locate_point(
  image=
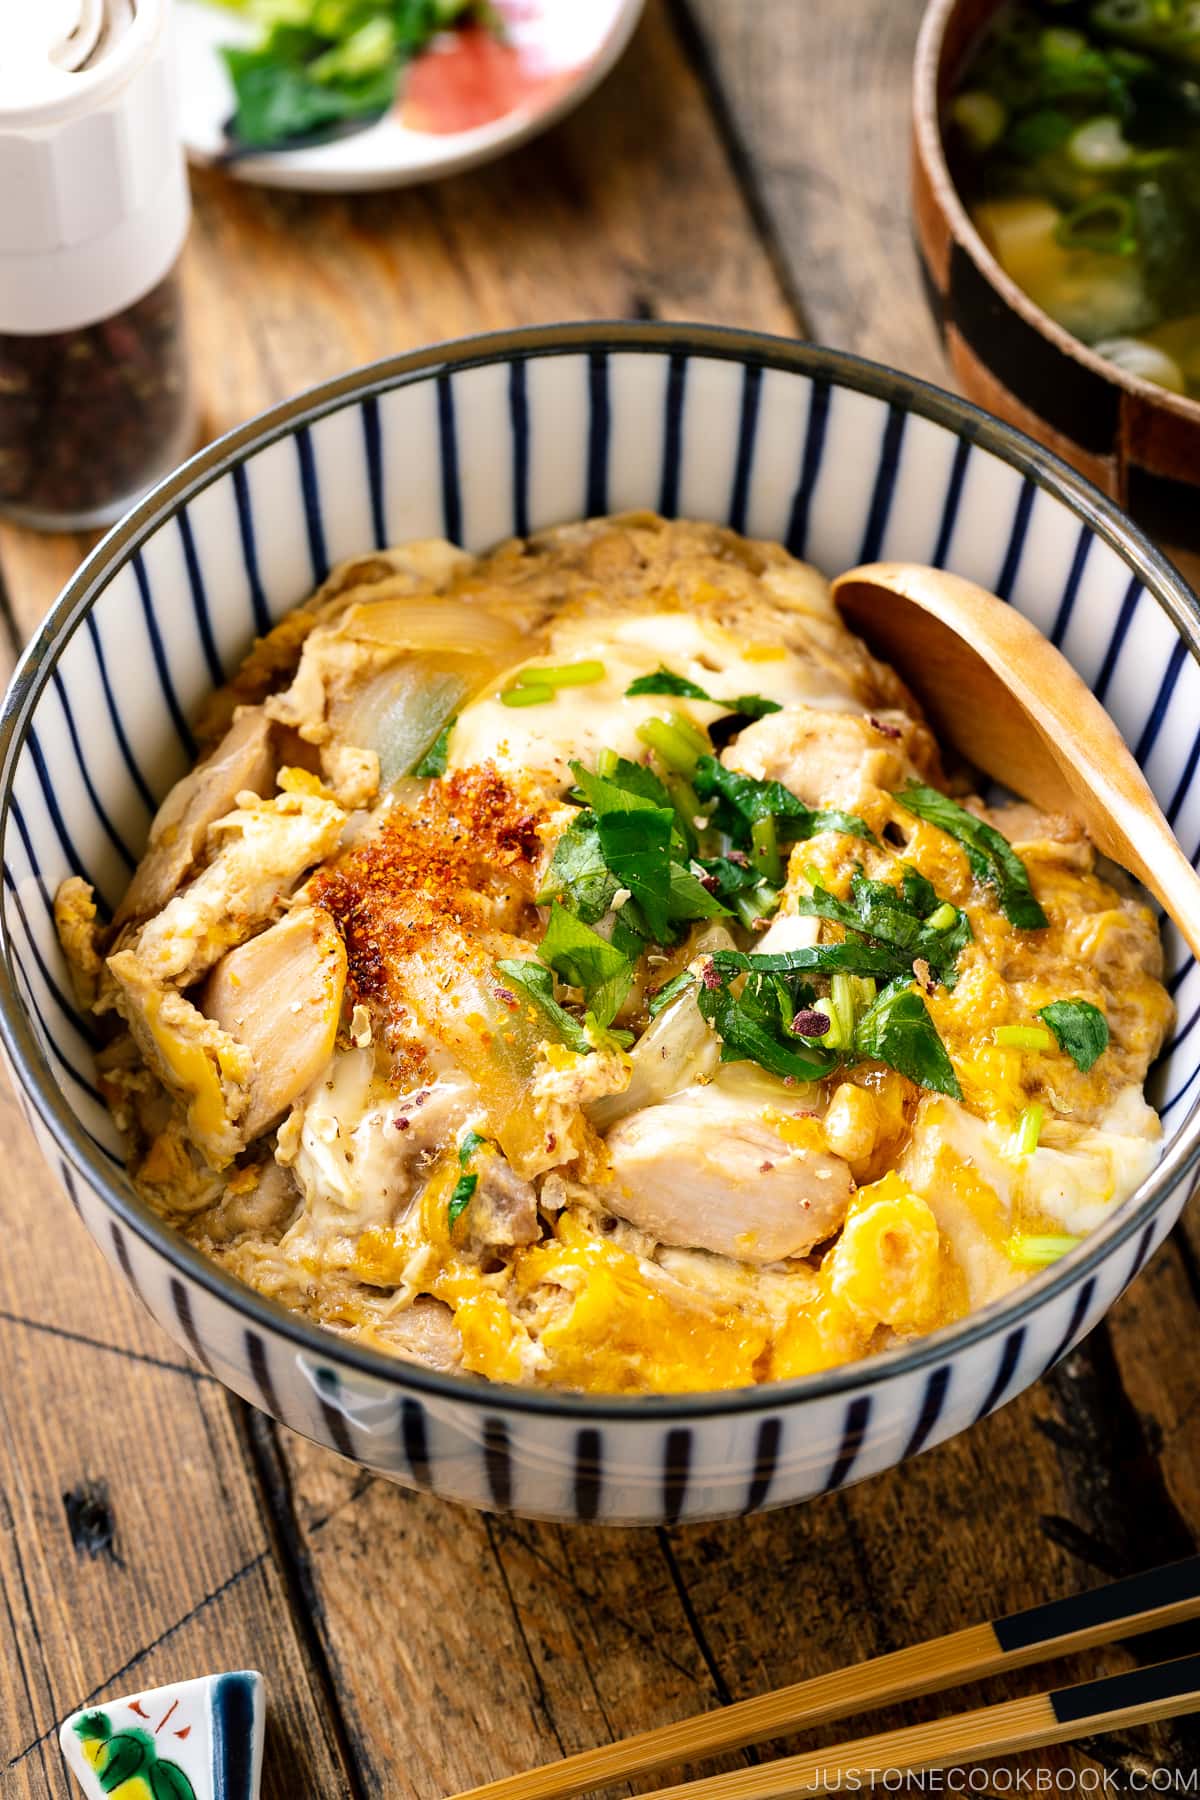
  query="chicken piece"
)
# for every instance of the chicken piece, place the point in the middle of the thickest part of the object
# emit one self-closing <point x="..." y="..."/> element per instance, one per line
<point x="257" y="1202"/>
<point x="281" y="996"/>
<point x="424" y="1332"/>
<point x="1042" y="837"/>
<point x="565" y="1083"/>
<point x="832" y="758"/>
<point x="706" y="1170"/>
<point x="174" y="1172"/>
<point x="332" y="667"/>
<point x="244" y="761"/>
<point x="75" y="923"/>
<point x="261" y="850"/>
<point x="207" y="1070"/>
<point x="359" y="1156"/>
<point x="503" y="1209"/>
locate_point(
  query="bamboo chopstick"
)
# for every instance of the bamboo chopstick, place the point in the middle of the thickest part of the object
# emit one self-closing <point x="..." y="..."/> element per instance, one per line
<point x="1165" y="1690"/>
<point x="1160" y="1597"/>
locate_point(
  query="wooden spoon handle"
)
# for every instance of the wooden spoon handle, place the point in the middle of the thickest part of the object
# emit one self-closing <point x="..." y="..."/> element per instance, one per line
<point x="1011" y="703"/>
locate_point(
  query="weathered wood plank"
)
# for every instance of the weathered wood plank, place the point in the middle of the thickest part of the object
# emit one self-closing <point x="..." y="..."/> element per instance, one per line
<point x="134" y="1548"/>
<point x="818" y="95"/>
<point x="435" y="1647"/>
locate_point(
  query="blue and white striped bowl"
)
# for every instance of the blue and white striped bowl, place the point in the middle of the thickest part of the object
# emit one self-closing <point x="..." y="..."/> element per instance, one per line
<point x="844" y="462"/>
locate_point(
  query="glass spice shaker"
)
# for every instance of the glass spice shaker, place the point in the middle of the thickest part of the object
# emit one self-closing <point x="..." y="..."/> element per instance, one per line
<point x="94" y="209"/>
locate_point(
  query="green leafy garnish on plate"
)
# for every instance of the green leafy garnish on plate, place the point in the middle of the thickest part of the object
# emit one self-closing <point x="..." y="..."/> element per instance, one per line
<point x="1080" y="1028"/>
<point x="322" y="65"/>
<point x="991" y="856"/>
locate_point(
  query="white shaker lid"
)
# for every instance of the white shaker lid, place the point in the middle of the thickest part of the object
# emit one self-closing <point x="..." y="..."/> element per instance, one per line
<point x="93" y="191"/>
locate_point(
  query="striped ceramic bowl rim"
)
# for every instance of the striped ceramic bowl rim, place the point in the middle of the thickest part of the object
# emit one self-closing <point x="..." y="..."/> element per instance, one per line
<point x="76" y="1154"/>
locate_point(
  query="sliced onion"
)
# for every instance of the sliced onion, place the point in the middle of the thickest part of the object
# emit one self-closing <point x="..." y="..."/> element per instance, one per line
<point x="679" y="1047"/>
<point x="400" y="712"/>
<point x="454" y="990"/>
<point x="454" y="627"/>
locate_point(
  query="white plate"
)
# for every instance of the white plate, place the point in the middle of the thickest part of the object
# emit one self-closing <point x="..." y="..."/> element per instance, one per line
<point x="574" y="44"/>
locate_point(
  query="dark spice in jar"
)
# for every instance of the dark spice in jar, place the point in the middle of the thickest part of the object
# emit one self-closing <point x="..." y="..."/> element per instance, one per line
<point x="88" y="418"/>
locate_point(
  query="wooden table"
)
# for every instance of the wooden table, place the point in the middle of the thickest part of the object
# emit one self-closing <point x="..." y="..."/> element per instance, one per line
<point x="746" y="164"/>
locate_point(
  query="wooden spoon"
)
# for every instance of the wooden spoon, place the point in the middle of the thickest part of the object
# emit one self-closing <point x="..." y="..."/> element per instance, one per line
<point x="1009" y="702"/>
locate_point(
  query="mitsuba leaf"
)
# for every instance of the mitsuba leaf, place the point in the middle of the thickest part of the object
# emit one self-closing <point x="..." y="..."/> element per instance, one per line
<point x="742" y="800"/>
<point x="854" y="957"/>
<point x="990" y="854"/>
<point x="899" y="1031"/>
<point x="471" y="1142"/>
<point x="535" y="980"/>
<point x="578" y="874"/>
<point x="889" y="924"/>
<point x="1080" y="1028"/>
<point x="630" y="786"/>
<point x="664" y="681"/>
<point x="747" y="1037"/>
<point x="919" y="894"/>
<point x="433" y="764"/>
<point x="688" y="898"/>
<point x="586" y="960"/>
<point x="671" y="990"/>
<point x="636" y="845"/>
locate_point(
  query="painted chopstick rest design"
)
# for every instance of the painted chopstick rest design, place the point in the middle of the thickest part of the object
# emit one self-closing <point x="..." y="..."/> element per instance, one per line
<point x="195" y="1740"/>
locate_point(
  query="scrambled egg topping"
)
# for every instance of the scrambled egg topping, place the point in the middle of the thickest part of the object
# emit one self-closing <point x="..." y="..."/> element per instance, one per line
<point x="355" y="1065"/>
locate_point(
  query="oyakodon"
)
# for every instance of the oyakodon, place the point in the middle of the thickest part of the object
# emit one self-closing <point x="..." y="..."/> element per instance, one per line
<point x="575" y="966"/>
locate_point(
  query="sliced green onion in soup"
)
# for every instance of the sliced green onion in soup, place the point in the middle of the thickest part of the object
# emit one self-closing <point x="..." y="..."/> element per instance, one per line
<point x="1134" y="356"/>
<point x="980" y="117"/>
<point x="1100" y="145"/>
<point x="1103" y="223"/>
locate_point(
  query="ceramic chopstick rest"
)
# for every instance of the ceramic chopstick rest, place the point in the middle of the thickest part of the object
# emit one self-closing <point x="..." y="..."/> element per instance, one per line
<point x="194" y="1740"/>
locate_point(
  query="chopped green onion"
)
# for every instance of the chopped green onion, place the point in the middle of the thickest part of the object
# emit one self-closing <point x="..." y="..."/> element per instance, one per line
<point x="1103" y="223"/>
<point x="1060" y="44"/>
<point x="1099" y="145"/>
<point x="580" y="674"/>
<point x="1040" y="1252"/>
<point x="764" y="849"/>
<point x="669" y="743"/>
<point x="696" y="736"/>
<point x="943" y="917"/>
<point x="842" y="1010"/>
<point x="1023" y="1037"/>
<point x="755" y="903"/>
<point x="686" y="802"/>
<point x="527" y="696"/>
<point x="606" y="764"/>
<point x="980" y="117"/>
<point x="1028" y="1130"/>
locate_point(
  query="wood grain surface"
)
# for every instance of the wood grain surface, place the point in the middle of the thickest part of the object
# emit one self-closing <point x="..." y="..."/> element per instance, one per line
<point x="745" y="164"/>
